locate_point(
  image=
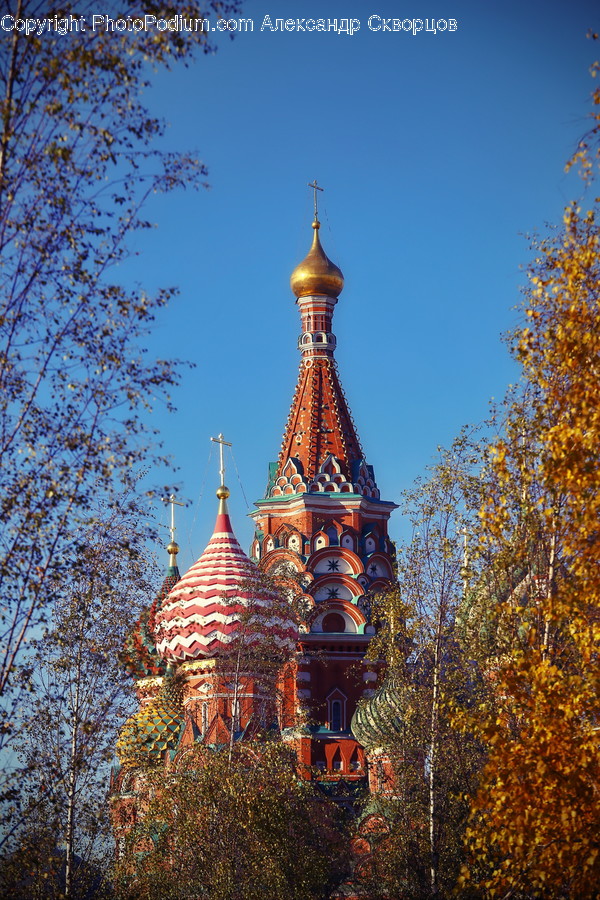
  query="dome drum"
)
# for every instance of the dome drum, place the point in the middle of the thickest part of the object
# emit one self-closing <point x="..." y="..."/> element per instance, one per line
<point x="312" y="342"/>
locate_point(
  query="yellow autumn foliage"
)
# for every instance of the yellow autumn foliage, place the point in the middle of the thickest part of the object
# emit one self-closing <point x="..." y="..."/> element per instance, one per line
<point x="535" y="822"/>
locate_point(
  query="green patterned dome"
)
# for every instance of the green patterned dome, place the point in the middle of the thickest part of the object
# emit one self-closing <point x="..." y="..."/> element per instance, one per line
<point x="380" y="719"/>
<point x="154" y="729"/>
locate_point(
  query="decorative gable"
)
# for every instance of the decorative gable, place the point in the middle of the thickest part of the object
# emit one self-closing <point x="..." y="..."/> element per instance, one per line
<point x="365" y="482"/>
<point x="330" y="477"/>
<point x="291" y="480"/>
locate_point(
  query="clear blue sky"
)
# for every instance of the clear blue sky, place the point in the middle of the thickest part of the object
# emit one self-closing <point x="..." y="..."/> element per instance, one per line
<point x="438" y="154"/>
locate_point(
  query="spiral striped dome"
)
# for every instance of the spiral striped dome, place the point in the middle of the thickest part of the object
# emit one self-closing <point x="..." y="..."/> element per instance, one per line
<point x="201" y="615"/>
<point x="139" y="655"/>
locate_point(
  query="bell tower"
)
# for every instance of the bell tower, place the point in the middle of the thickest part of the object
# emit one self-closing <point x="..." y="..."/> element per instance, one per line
<point x="322" y="517"/>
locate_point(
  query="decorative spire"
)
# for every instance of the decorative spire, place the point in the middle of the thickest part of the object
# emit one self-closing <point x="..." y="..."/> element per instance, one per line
<point x="220" y="440"/>
<point x="316" y="274"/>
<point x="139" y="655"/>
<point x="315" y="188"/>
<point x="319" y="426"/>
<point x="173" y="546"/>
<point x="222" y="490"/>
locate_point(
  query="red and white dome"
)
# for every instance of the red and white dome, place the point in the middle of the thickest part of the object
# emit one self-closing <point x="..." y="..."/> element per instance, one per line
<point x="201" y="615"/>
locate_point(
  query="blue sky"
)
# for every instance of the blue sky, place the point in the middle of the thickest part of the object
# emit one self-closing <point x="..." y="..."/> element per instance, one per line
<point x="438" y="154"/>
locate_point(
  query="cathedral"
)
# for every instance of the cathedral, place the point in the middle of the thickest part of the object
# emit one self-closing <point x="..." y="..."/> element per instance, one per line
<point x="322" y="527"/>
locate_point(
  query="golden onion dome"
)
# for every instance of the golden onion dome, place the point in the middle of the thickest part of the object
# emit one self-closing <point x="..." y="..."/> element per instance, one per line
<point x="316" y="274"/>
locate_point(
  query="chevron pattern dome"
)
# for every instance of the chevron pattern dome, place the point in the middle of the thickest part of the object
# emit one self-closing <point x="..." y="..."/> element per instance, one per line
<point x="201" y="615"/>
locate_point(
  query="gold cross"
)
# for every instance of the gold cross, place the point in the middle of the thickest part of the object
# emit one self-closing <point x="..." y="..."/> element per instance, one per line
<point x="172" y="502"/>
<point x="220" y="440"/>
<point x="315" y="188"/>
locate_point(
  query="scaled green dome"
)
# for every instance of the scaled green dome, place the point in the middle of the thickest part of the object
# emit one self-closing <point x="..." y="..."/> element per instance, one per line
<point x="380" y="719"/>
<point x="154" y="729"/>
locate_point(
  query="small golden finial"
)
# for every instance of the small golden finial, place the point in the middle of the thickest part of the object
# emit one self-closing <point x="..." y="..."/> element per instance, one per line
<point x="173" y="547"/>
<point x="315" y="188"/>
<point x="172" y="550"/>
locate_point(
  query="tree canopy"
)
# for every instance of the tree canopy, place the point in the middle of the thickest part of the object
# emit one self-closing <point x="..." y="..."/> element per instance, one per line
<point x="79" y="154"/>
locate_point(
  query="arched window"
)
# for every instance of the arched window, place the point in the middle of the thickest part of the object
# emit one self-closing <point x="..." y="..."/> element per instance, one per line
<point x="333" y="623"/>
<point x="332" y="535"/>
<point x="336" y="710"/>
<point x="336" y="715"/>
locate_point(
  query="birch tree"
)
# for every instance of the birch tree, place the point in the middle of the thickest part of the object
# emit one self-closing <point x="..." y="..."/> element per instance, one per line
<point x="535" y="819"/>
<point x="78" y="158"/>
<point x="239" y="828"/>
<point x="435" y="765"/>
<point x="78" y="696"/>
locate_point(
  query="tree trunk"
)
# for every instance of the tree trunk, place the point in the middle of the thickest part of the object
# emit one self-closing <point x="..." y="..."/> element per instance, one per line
<point x="433" y="754"/>
<point x="71" y="788"/>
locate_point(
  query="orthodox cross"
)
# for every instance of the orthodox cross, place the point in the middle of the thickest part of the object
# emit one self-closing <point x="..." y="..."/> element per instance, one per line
<point x="172" y="502"/>
<point x="220" y="440"/>
<point x="315" y="188"/>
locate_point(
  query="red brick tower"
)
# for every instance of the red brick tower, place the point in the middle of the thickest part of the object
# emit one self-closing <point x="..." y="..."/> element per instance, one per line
<point x="322" y="516"/>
